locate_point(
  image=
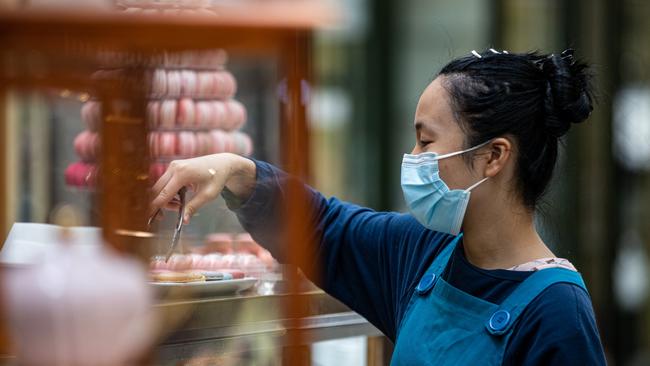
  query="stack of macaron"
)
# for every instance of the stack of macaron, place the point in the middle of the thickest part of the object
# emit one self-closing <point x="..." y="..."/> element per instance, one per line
<point x="190" y="114"/>
<point x="206" y="84"/>
<point x="191" y="111"/>
<point x="86" y="144"/>
<point x="167" y="145"/>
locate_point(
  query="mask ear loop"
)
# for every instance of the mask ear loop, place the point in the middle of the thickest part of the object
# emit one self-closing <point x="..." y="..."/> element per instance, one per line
<point x="440" y="157"/>
<point x="476" y="184"/>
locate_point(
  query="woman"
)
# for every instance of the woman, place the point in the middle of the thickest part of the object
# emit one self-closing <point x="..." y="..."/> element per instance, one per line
<point x="488" y="125"/>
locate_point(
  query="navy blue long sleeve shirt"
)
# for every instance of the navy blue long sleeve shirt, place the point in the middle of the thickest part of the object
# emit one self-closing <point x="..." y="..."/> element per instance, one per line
<point x="372" y="262"/>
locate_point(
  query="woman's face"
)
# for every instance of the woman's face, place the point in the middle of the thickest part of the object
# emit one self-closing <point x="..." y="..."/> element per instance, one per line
<point x="436" y="130"/>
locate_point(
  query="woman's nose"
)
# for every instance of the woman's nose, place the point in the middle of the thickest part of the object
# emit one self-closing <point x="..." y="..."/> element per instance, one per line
<point x="416" y="150"/>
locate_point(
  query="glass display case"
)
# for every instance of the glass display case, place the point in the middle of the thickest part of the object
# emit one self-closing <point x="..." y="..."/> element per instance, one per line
<point x="95" y="105"/>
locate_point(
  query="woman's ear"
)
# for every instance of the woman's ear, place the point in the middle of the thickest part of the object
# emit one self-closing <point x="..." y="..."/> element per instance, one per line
<point x="498" y="156"/>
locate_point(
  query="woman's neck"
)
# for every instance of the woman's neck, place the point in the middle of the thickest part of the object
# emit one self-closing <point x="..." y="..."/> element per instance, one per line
<point x="502" y="237"/>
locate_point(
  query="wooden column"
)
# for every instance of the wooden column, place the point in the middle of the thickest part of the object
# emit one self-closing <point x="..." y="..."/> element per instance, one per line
<point x="295" y="156"/>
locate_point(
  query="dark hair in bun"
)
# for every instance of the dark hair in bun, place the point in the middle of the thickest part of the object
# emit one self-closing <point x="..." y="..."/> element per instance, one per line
<point x="531" y="96"/>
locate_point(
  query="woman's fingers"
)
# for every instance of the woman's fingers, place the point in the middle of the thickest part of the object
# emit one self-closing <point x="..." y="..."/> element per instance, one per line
<point x="167" y="193"/>
<point x="200" y="199"/>
<point x="161" y="182"/>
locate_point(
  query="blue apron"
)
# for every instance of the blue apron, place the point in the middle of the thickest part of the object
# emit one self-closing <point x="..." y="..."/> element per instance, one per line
<point x="443" y="325"/>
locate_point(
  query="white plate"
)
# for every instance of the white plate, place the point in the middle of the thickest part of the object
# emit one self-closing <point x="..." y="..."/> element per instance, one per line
<point x="223" y="287"/>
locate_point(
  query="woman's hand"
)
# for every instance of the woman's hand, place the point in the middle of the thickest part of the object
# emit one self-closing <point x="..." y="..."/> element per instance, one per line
<point x="206" y="176"/>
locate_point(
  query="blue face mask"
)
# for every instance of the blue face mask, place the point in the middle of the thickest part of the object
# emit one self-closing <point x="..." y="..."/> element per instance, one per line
<point x="428" y="198"/>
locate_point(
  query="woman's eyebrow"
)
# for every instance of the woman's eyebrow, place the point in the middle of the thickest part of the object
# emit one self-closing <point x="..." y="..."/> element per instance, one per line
<point x="420" y="125"/>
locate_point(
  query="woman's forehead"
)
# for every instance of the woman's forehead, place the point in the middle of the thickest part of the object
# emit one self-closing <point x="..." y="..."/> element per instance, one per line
<point x="434" y="110"/>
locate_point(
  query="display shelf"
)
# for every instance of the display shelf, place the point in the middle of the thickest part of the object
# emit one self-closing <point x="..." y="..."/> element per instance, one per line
<point x="210" y="333"/>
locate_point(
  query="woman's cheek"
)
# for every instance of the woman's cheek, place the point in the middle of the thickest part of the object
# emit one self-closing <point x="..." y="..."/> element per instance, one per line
<point x="450" y="173"/>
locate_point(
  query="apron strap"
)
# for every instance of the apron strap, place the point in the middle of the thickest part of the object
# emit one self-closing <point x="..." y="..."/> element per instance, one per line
<point x="437" y="267"/>
<point x="440" y="263"/>
<point x="506" y="315"/>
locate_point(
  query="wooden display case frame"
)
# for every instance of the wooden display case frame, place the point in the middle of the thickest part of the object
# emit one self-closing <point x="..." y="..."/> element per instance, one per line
<point x="58" y="49"/>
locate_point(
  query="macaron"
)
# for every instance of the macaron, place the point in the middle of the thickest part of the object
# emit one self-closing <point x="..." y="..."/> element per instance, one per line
<point x="86" y="145"/>
<point x="212" y="59"/>
<point x="159" y="83"/>
<point x="216" y="276"/>
<point x="205" y="262"/>
<point x="173" y="83"/>
<point x="188" y="83"/>
<point x="204" y="114"/>
<point x="152" y="140"/>
<point x="186" y="144"/>
<point x="70" y="175"/>
<point x="167" y="114"/>
<point x="235" y="273"/>
<point x="236" y="114"/>
<point x="220" y="89"/>
<point x="153" y="114"/>
<point x="204" y="143"/>
<point x="219" y="113"/>
<point x="206" y="84"/>
<point x="166" y="144"/>
<point x="80" y="174"/>
<point x="243" y="145"/>
<point x="186" y="114"/>
<point x="176" y="277"/>
<point x="91" y="115"/>
<point x="229" y="84"/>
<point x="221" y="141"/>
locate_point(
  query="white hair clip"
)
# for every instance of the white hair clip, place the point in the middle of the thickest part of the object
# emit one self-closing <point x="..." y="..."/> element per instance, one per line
<point x="476" y="54"/>
<point x="495" y="51"/>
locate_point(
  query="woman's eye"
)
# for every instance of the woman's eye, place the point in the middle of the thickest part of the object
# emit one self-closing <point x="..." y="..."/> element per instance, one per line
<point x="424" y="143"/>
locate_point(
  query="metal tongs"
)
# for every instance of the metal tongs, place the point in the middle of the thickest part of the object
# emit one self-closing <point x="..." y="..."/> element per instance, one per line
<point x="179" y="224"/>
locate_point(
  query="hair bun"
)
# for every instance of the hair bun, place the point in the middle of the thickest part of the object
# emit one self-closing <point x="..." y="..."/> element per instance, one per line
<point x="568" y="92"/>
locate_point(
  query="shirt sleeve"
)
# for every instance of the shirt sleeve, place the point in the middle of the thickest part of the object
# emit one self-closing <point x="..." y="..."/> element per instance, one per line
<point x="368" y="260"/>
<point x="557" y="328"/>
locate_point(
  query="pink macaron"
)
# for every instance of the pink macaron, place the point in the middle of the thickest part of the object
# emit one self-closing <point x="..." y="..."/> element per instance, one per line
<point x="81" y="174"/>
<point x="154" y="145"/>
<point x="91" y="115"/>
<point x="186" y="144"/>
<point x="159" y="83"/>
<point x="221" y="141"/>
<point x="166" y="144"/>
<point x="70" y="175"/>
<point x="186" y="114"/>
<point x="153" y="114"/>
<point x="204" y="143"/>
<point x="243" y="145"/>
<point x="220" y="88"/>
<point x="174" y="83"/>
<point x="229" y="84"/>
<point x="213" y="59"/>
<point x="188" y="83"/>
<point x="179" y="262"/>
<point x="235" y="115"/>
<point x="219" y="114"/>
<point x="204" y="114"/>
<point x="152" y="141"/>
<point x="167" y="114"/>
<point x="206" y="84"/>
<point x="86" y="145"/>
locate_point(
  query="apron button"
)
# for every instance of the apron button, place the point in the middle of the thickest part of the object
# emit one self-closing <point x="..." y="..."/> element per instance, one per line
<point x="499" y="320"/>
<point x="426" y="283"/>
